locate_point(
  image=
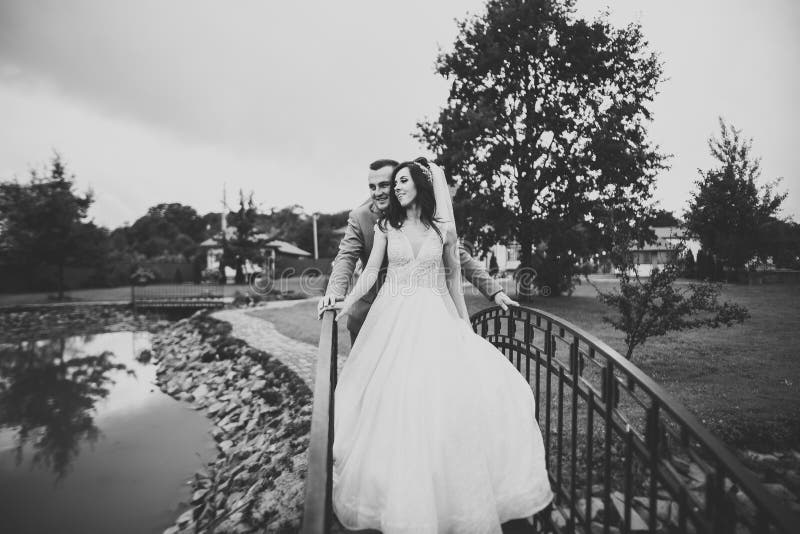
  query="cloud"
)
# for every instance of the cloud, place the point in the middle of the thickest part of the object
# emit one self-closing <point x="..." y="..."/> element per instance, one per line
<point x="293" y="99"/>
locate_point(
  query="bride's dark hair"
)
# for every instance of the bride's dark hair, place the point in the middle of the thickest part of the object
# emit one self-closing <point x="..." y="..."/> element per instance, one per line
<point x="395" y="214"/>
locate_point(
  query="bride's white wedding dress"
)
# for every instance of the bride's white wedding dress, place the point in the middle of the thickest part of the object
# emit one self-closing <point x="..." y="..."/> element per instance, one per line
<point x="435" y="429"/>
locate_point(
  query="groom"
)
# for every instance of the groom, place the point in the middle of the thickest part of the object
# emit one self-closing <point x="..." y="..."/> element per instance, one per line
<point x="357" y="244"/>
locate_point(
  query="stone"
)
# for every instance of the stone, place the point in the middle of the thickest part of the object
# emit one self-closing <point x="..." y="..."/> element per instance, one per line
<point x="780" y="491"/>
<point x="597" y="506"/>
<point x="258" y="385"/>
<point x="200" y="391"/>
<point x="199" y="495"/>
<point x="637" y="523"/>
<point x="560" y="517"/>
<point x="762" y="458"/>
<point x="172" y="530"/>
<point x="234" y="500"/>
<point x="697" y="475"/>
<point x="186" y="518"/>
<point x="667" y="511"/>
<point x="745" y="505"/>
<point x="226" y="446"/>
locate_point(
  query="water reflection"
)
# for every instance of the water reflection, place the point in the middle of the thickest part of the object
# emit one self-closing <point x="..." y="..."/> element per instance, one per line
<point x="88" y="442"/>
<point x="48" y="393"/>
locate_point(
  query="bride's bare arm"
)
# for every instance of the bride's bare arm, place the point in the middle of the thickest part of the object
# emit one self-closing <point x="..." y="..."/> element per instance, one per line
<point x="452" y="269"/>
<point x="370" y="273"/>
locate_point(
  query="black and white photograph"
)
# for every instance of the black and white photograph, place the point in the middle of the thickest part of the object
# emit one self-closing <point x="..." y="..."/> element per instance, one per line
<point x="452" y="267"/>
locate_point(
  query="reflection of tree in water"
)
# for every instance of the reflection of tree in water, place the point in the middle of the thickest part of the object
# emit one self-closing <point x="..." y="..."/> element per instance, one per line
<point x="50" y="399"/>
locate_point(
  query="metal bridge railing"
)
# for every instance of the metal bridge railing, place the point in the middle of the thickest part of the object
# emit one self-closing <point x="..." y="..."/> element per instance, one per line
<point x="622" y="454"/>
<point x="177" y="296"/>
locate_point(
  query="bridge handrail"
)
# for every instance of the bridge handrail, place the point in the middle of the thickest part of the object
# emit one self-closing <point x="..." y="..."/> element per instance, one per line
<point x="317" y="511"/>
<point x="771" y="515"/>
<point x="770" y="509"/>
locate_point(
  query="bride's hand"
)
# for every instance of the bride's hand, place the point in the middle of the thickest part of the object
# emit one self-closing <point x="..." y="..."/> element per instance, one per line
<point x="343" y="309"/>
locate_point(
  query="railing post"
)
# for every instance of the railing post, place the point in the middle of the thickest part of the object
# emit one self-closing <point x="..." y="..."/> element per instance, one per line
<point x="317" y="513"/>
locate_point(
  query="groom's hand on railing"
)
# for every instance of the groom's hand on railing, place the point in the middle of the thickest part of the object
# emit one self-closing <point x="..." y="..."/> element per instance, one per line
<point x="328" y="302"/>
<point x="504" y="301"/>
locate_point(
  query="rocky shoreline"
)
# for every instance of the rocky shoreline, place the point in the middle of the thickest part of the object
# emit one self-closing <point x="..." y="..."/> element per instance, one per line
<point x="262" y="416"/>
<point x="65" y="321"/>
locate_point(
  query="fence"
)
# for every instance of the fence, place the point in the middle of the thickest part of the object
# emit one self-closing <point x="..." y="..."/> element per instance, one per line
<point x="622" y="454"/>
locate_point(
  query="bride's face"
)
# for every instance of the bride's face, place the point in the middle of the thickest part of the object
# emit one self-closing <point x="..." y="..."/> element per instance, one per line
<point x="404" y="188"/>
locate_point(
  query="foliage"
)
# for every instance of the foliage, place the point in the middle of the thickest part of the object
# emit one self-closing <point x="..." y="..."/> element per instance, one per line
<point x="689" y="266"/>
<point x="166" y="229"/>
<point x="48" y="400"/>
<point x="660" y="218"/>
<point x="730" y="213"/>
<point x="293" y="225"/>
<point x="243" y="245"/>
<point x="780" y="242"/>
<point x="653" y="306"/>
<point x="42" y="222"/>
<point x="546" y="120"/>
<point x="142" y="276"/>
<point x="210" y="276"/>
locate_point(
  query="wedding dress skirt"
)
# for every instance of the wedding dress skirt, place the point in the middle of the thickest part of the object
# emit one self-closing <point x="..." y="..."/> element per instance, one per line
<point x="435" y="429"/>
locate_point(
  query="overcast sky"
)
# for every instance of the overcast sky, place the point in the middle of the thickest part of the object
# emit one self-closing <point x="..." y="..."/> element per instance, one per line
<point x="169" y="101"/>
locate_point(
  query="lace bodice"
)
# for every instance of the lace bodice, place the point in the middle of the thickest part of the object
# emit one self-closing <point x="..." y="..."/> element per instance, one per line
<point x="407" y="271"/>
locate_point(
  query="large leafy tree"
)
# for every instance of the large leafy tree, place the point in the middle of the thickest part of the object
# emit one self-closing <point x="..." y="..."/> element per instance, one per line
<point x="730" y="212"/>
<point x="244" y="245"/>
<point x="166" y="229"/>
<point x="42" y="222"/>
<point x="546" y="118"/>
<point x="781" y="243"/>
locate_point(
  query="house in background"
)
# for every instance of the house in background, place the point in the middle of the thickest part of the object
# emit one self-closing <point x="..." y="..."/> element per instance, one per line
<point x="273" y="250"/>
<point x="645" y="258"/>
<point x="662" y="250"/>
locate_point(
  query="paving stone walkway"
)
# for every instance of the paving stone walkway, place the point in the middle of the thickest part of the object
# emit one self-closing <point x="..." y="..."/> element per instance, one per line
<point x="261" y="334"/>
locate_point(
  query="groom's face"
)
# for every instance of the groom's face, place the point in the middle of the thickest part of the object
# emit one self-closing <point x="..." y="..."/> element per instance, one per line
<point x="380" y="183"/>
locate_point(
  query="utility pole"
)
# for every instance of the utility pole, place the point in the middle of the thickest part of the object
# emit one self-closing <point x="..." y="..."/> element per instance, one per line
<point x="223" y="222"/>
<point x="314" y="218"/>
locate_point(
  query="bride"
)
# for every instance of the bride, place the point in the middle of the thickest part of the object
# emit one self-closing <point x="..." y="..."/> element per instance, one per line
<point x="434" y="429"/>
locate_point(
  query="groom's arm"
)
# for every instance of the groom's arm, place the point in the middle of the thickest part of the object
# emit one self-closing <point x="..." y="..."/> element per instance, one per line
<point x="477" y="275"/>
<point x="345" y="263"/>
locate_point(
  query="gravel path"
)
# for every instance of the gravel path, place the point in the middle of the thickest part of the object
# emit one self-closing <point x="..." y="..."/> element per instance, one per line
<point x="261" y="334"/>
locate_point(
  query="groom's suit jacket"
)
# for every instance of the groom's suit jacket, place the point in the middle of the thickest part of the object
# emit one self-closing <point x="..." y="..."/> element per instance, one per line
<point x="357" y="244"/>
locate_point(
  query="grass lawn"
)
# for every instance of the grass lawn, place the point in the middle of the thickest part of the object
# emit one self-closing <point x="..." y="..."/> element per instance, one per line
<point x="123" y="293"/>
<point x="743" y="382"/>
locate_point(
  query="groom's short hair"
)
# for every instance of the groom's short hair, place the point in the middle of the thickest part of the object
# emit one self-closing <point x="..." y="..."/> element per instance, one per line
<point x="381" y="163"/>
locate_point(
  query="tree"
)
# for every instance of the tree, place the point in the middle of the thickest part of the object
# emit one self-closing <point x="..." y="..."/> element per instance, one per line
<point x="166" y="229"/>
<point x="689" y="267"/>
<point x="42" y="221"/>
<point x="49" y="400"/>
<point x="729" y="210"/>
<point x="653" y="306"/>
<point x="705" y="265"/>
<point x="661" y="218"/>
<point x="244" y="245"/>
<point x="781" y="243"/>
<point x="545" y="120"/>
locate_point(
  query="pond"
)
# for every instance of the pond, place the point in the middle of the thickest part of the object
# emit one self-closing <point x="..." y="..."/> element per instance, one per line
<point x="88" y="442"/>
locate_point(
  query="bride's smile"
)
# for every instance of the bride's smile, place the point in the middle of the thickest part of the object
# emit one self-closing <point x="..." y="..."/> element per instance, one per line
<point x="404" y="188"/>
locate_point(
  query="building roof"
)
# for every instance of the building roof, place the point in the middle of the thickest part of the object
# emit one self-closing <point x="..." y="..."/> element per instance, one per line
<point x="667" y="238"/>
<point x="283" y="247"/>
<point x="230" y="233"/>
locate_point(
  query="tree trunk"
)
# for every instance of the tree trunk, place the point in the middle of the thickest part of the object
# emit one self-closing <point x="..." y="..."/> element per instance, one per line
<point x="61" y="281"/>
<point x="222" y="277"/>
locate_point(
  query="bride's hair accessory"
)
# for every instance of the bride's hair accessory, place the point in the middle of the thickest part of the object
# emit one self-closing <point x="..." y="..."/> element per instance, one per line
<point x="421" y="163"/>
